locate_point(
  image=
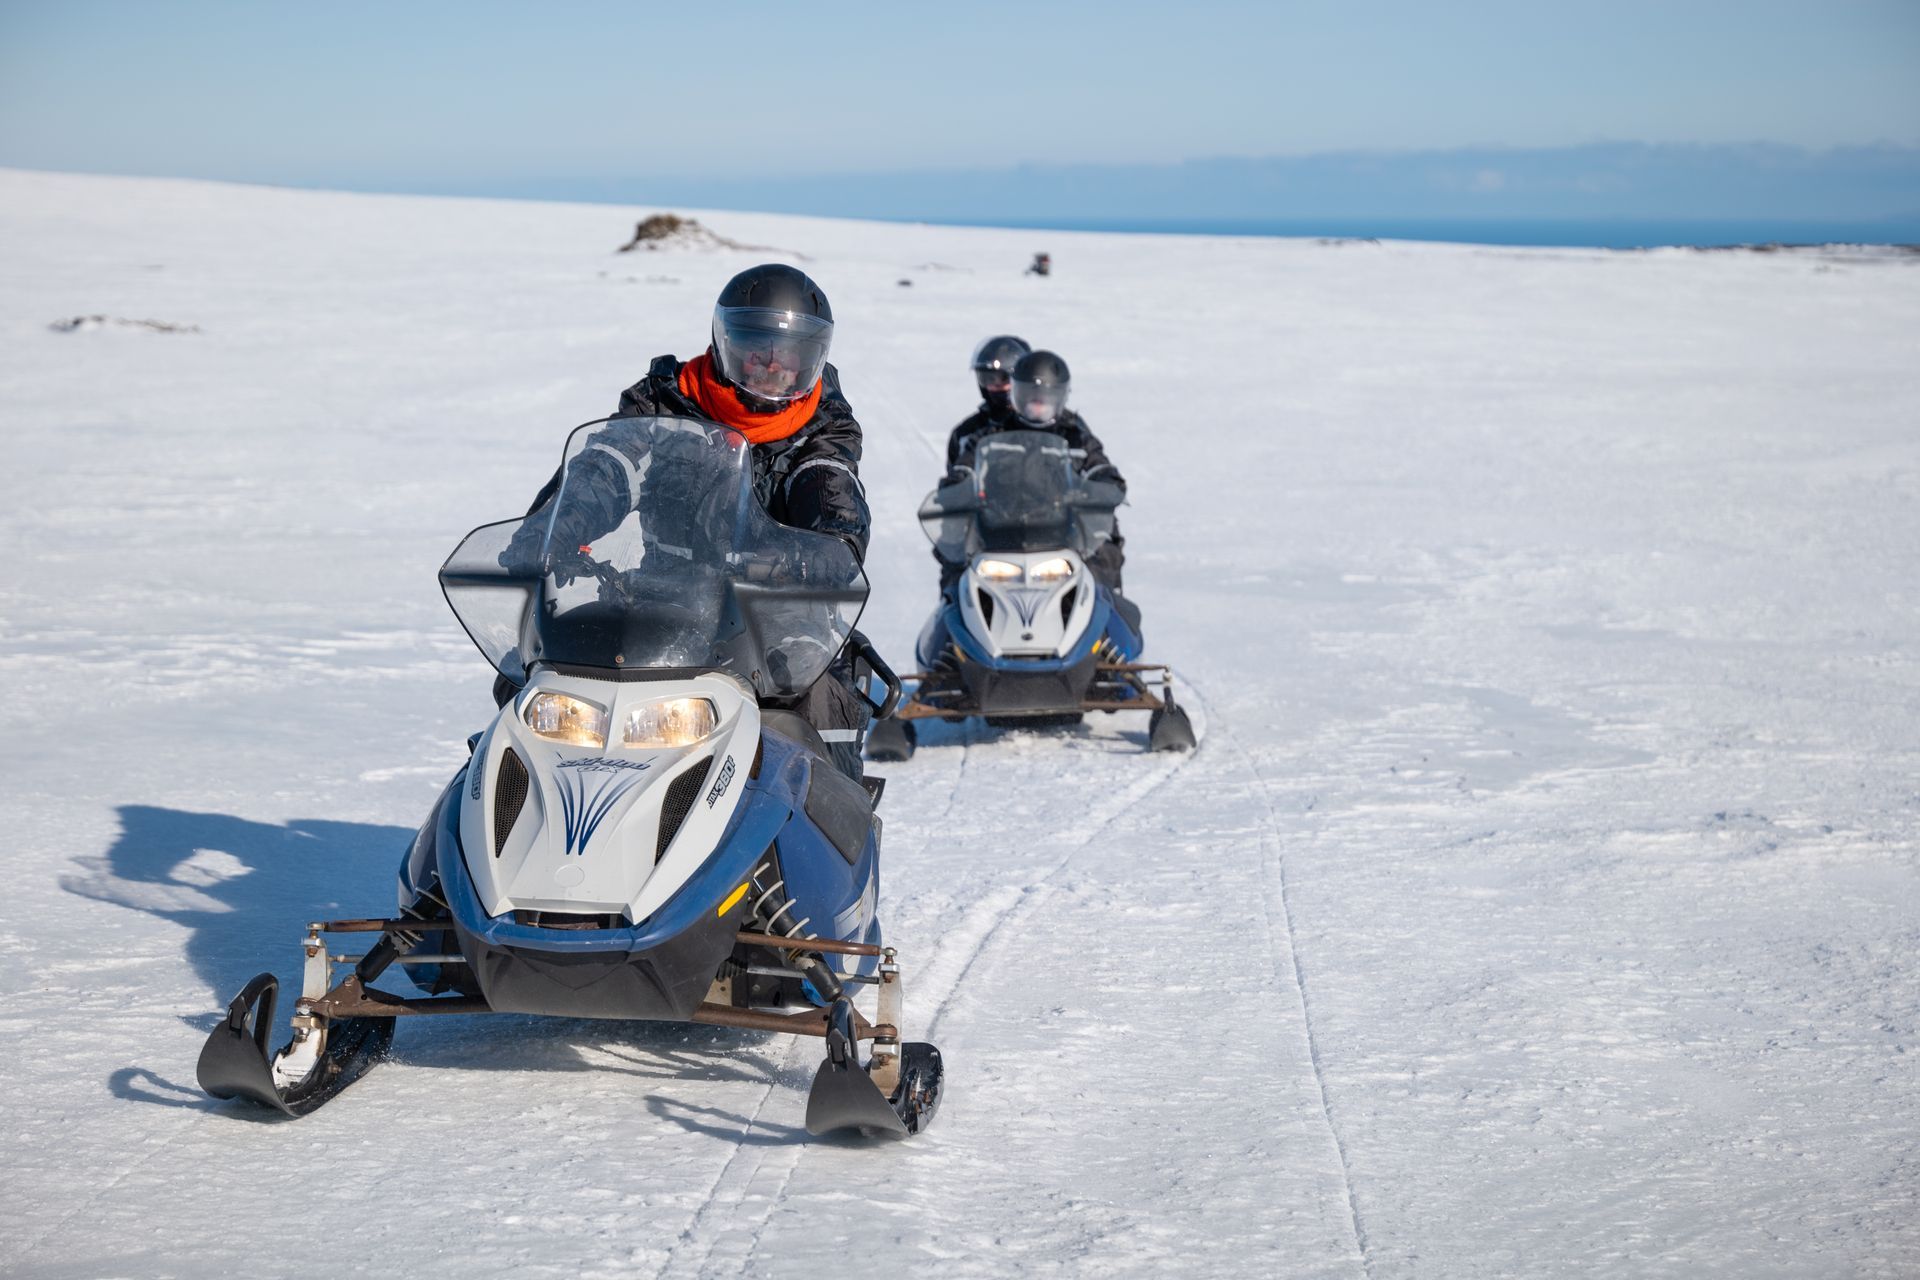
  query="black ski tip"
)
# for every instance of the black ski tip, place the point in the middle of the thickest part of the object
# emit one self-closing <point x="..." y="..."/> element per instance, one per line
<point x="844" y="1099"/>
<point x="891" y="740"/>
<point x="235" y="1063"/>
<point x="1169" y="729"/>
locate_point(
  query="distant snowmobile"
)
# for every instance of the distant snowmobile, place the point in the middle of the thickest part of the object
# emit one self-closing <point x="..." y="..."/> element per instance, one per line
<point x="1028" y="634"/>
<point x="636" y="835"/>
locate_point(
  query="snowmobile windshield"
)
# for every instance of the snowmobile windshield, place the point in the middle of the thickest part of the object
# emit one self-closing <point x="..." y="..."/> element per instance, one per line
<point x="1027" y="493"/>
<point x="654" y="554"/>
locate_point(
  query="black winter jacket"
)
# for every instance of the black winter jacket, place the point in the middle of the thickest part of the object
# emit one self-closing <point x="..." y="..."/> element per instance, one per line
<point x="810" y="480"/>
<point x="1069" y="426"/>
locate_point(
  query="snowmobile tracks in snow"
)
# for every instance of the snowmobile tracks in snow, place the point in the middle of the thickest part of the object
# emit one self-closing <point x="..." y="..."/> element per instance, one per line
<point x="987" y="921"/>
<point x="723" y="1235"/>
<point x="708" y="1244"/>
<point x="1286" y="961"/>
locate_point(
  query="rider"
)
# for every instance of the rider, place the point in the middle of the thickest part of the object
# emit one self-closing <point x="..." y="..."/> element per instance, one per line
<point x="993" y="362"/>
<point x="1037" y="401"/>
<point x="766" y="375"/>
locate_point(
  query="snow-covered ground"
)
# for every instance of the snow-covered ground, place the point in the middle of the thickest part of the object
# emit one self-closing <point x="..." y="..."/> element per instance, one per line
<point x="1543" y="899"/>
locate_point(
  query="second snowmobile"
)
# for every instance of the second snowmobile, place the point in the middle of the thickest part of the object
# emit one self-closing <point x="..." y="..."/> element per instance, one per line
<point x="1028" y="634"/>
<point x="641" y="832"/>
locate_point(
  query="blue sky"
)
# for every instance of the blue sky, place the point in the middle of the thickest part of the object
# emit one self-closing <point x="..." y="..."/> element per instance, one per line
<point x="489" y="96"/>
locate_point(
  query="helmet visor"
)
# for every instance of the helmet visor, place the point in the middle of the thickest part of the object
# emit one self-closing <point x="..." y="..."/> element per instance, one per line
<point x="1038" y="404"/>
<point x="773" y="355"/>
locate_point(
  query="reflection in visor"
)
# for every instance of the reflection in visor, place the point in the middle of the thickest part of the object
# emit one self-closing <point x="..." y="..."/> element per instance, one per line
<point x="1039" y="405"/>
<point x="770" y="375"/>
<point x="775" y="355"/>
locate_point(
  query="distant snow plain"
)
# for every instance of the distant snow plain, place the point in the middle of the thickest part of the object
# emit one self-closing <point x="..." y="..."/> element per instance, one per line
<point x="1543" y="898"/>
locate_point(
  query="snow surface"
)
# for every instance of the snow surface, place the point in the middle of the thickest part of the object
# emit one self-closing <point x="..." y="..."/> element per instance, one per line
<point x="1542" y="899"/>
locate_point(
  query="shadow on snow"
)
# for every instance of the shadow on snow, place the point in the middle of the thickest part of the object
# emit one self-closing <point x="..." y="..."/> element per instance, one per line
<point x="244" y="892"/>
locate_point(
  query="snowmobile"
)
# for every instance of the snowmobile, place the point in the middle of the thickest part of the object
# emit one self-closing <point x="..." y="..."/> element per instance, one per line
<point x="1027" y="634"/>
<point x="641" y="832"/>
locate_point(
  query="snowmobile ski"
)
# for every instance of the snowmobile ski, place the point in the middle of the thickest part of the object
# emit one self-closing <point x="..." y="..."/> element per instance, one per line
<point x="891" y="740"/>
<point x="847" y="1097"/>
<point x="1168" y="728"/>
<point x="234" y="1061"/>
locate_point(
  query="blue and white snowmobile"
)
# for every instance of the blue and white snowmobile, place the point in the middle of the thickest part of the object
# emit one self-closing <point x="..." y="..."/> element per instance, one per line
<point x="1028" y="634"/>
<point x="641" y="832"/>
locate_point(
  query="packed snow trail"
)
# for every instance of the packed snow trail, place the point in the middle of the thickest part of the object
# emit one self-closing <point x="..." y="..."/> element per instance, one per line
<point x="1541" y="899"/>
<point x="1283" y="945"/>
<point x="732" y="1224"/>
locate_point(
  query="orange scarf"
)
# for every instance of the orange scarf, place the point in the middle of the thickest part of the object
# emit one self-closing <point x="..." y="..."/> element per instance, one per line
<point x="722" y="403"/>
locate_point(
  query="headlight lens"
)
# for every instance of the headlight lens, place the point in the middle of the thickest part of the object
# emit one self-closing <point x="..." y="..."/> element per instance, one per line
<point x="674" y="722"/>
<point x="574" y="721"/>
<point x="1054" y="570"/>
<point x="999" y="570"/>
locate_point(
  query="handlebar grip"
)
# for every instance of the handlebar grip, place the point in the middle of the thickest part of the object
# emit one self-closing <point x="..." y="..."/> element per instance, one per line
<point x="863" y="649"/>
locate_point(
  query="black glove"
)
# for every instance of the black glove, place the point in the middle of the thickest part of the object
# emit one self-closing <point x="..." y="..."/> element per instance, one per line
<point x="569" y="566"/>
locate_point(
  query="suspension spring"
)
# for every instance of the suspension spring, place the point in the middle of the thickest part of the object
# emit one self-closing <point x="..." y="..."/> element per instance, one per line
<point x="818" y="971"/>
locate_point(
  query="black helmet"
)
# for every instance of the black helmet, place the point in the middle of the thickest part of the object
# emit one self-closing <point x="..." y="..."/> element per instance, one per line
<point x="993" y="362"/>
<point x="771" y="330"/>
<point x="1040" y="385"/>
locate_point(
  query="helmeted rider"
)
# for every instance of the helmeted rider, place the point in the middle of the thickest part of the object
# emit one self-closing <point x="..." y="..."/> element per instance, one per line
<point x="1037" y="387"/>
<point x="993" y="362"/>
<point x="765" y="374"/>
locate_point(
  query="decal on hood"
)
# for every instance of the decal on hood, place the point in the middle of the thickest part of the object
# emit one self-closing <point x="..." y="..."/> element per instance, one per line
<point x="720" y="783"/>
<point x="602" y="764"/>
<point x="1027" y="602"/>
<point x="585" y="805"/>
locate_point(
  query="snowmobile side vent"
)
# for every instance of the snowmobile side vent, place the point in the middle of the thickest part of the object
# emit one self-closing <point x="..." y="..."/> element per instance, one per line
<point x="682" y="793"/>
<point x="1066" y="606"/>
<point x="986" y="605"/>
<point x="509" y="795"/>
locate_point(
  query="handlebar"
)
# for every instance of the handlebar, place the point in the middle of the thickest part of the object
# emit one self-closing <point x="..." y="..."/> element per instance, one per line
<point x="863" y="649"/>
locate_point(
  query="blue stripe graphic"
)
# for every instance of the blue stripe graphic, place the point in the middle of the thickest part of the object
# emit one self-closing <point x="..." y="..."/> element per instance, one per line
<point x="582" y="814"/>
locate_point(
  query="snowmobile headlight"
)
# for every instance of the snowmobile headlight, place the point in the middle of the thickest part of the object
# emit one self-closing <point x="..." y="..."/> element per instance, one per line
<point x="671" y="722"/>
<point x="999" y="570"/>
<point x="574" y="721"/>
<point x="1057" y="569"/>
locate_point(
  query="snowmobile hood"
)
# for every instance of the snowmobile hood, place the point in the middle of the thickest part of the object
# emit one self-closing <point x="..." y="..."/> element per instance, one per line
<point x="608" y="826"/>
<point x="766" y="804"/>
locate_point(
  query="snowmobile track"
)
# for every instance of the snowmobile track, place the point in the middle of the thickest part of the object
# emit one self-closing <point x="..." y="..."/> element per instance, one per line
<point x="733" y="1187"/>
<point x="746" y="1153"/>
<point x="969" y="736"/>
<point x="1273" y="857"/>
<point x="1028" y="895"/>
